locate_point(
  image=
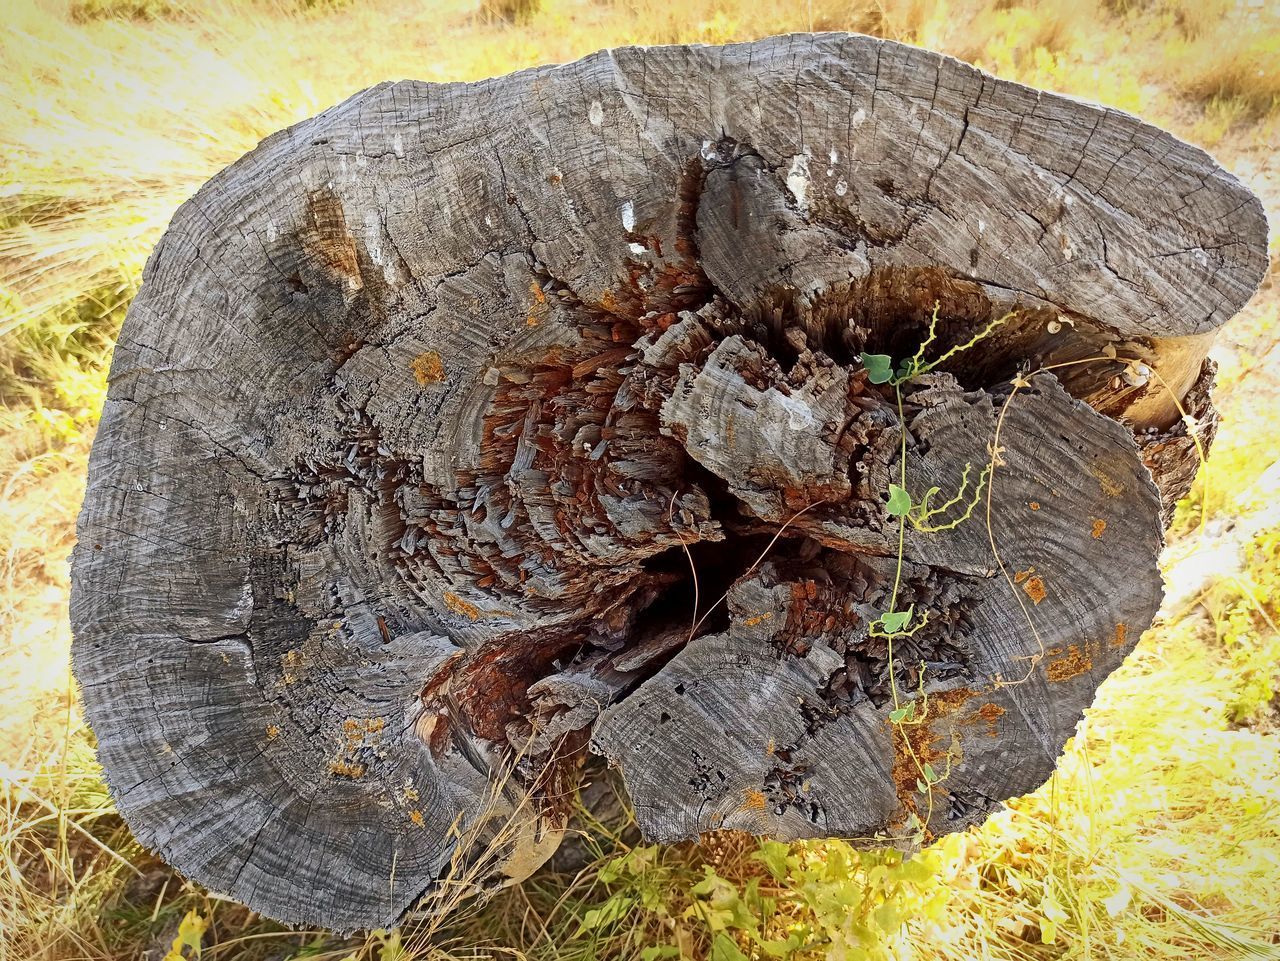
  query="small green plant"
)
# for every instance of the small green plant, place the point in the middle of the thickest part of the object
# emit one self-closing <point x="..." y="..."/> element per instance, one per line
<point x="925" y="518"/>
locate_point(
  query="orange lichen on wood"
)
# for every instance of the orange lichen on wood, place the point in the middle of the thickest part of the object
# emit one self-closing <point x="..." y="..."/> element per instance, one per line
<point x="1032" y="583"/>
<point x="609" y="302"/>
<point x="1075" y="662"/>
<point x="538" y="312"/>
<point x="991" y="713"/>
<point x="913" y="742"/>
<point x="1035" y="589"/>
<point x="1099" y="525"/>
<point x="273" y="732"/>
<point x="459" y="606"/>
<point x="1118" y="639"/>
<point x="1034" y="505"/>
<point x="756" y="800"/>
<point x="753" y="621"/>
<point x="427" y="368"/>
<point x="416" y="817"/>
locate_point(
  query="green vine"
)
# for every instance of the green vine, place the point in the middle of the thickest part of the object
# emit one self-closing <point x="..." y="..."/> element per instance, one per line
<point x="926" y="519"/>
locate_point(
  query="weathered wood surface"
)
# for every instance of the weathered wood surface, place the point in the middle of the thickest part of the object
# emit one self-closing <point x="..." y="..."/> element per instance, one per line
<point x="423" y="402"/>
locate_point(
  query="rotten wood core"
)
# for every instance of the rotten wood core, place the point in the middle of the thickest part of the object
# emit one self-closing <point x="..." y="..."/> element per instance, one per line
<point x="465" y="430"/>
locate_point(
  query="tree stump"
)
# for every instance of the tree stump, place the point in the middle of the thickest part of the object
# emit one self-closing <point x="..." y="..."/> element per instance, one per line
<point x="464" y="429"/>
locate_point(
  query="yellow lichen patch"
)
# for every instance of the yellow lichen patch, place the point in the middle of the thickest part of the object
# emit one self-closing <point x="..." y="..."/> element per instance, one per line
<point x="347" y="769"/>
<point x="273" y="732"/>
<point x="755" y="800"/>
<point x="771" y="747"/>
<point x="1099" y="525"/>
<point x="1075" y="662"/>
<point x="1034" y="505"/>
<point x="427" y="368"/>
<point x="411" y="794"/>
<point x="416" y="817"/>
<point x="758" y="618"/>
<point x="1110" y="486"/>
<point x="459" y="606"/>
<point x="357" y="728"/>
<point x="291" y="663"/>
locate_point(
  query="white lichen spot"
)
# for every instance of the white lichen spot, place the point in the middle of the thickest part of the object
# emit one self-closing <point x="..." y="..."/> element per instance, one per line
<point x="628" y="215"/>
<point x="982" y="226"/>
<point x="373" y="241"/>
<point x="834" y="155"/>
<point x="842" y="188"/>
<point x="272" y="233"/>
<point x="488" y="220"/>
<point x="596" y="113"/>
<point x="798" y="177"/>
<point x="799" y="414"/>
<point x="397" y="144"/>
<point x="638" y="248"/>
<point x="1068" y="200"/>
<point x="708" y="151"/>
<point x="858" y="117"/>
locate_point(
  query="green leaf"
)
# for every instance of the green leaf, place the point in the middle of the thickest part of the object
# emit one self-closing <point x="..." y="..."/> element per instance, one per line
<point x="773" y="855"/>
<point x="902" y="714"/>
<point x="899" y="501"/>
<point x="606" y="914"/>
<point x="653" y="952"/>
<point x="1048" y="931"/>
<point x="723" y="948"/>
<point x="894" y="622"/>
<point x="190" y="935"/>
<point x="930" y="774"/>
<point x="879" y="367"/>
<point x="888" y="917"/>
<point x="782" y="949"/>
<point x="917" y="871"/>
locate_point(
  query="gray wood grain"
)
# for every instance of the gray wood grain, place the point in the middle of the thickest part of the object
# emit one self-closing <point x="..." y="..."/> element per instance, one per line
<point x="422" y="402"/>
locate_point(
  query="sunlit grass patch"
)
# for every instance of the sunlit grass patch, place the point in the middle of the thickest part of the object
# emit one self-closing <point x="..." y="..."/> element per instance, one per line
<point x="1238" y="59"/>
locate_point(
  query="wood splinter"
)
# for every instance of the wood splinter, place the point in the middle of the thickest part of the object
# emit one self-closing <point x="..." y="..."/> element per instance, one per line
<point x="436" y="414"/>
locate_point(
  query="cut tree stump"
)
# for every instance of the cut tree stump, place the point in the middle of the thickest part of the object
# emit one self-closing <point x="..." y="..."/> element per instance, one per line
<point x="429" y="408"/>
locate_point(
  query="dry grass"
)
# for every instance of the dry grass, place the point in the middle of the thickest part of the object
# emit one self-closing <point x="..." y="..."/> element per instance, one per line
<point x="1233" y="60"/>
<point x="1158" y="835"/>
